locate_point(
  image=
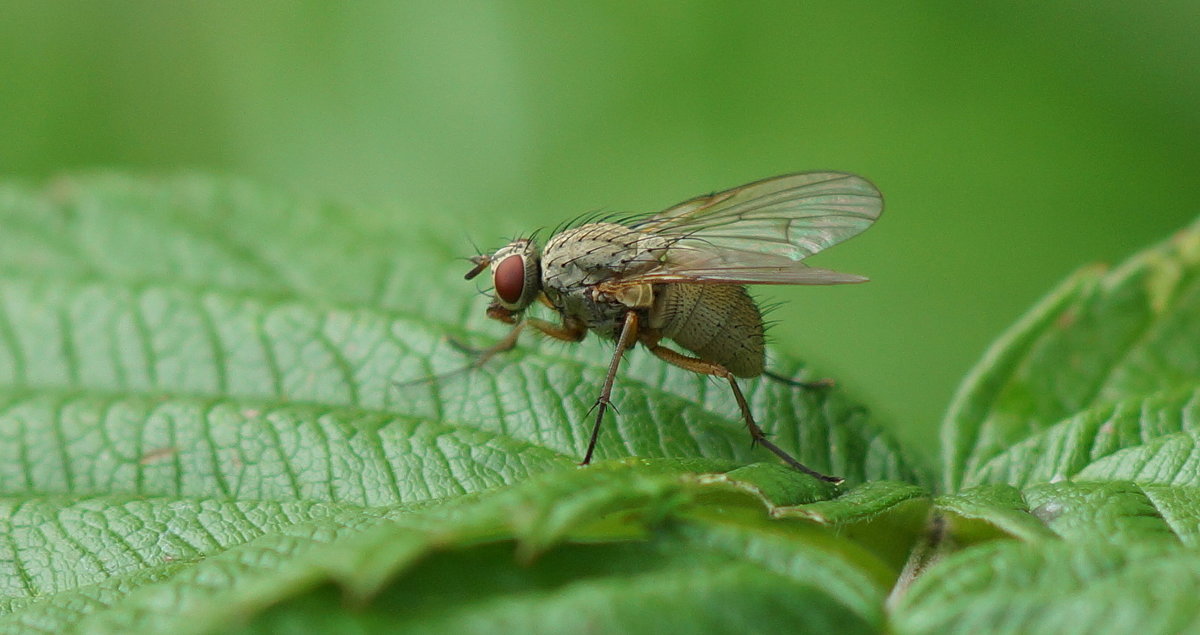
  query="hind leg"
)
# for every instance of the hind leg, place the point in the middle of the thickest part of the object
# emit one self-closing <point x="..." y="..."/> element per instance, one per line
<point x="757" y="436"/>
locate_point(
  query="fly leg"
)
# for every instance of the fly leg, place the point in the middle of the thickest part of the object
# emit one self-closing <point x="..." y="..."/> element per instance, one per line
<point x="757" y="436"/>
<point x="816" y="384"/>
<point x="571" y="330"/>
<point x="482" y="355"/>
<point x="624" y="342"/>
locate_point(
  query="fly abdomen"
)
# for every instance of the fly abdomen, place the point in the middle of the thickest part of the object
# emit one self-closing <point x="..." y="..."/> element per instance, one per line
<point x="719" y="323"/>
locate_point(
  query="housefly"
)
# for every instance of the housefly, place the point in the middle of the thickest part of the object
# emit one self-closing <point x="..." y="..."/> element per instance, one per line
<point x="680" y="275"/>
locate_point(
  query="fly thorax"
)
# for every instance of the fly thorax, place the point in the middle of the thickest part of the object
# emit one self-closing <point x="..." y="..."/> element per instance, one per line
<point x="590" y="254"/>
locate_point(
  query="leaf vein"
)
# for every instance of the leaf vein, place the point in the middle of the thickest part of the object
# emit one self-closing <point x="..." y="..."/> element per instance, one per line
<point x="9" y="336"/>
<point x="220" y="358"/>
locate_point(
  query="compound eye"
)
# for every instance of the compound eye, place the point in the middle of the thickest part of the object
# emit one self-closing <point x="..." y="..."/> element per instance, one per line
<point x="510" y="279"/>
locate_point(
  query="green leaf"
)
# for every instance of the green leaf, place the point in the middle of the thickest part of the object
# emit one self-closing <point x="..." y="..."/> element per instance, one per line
<point x="1056" y="587"/>
<point x="213" y="412"/>
<point x="1075" y="435"/>
<point x="526" y="550"/>
<point x="1116" y="512"/>
<point x="1096" y="441"/>
<point x="89" y="444"/>
<point x="1097" y="340"/>
<point x="616" y="588"/>
<point x="989" y="512"/>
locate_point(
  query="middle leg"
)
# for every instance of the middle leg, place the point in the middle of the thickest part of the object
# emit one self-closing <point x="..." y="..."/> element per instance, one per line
<point x="629" y="331"/>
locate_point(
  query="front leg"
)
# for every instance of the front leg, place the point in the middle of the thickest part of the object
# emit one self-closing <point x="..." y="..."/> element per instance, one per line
<point x="629" y="331"/>
<point x="482" y="355"/>
<point x="568" y="331"/>
<point x="500" y="314"/>
<point x="571" y="330"/>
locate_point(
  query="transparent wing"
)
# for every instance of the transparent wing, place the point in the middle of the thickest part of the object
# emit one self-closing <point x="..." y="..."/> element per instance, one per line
<point x="796" y="273"/>
<point x="795" y="215"/>
<point x="759" y="233"/>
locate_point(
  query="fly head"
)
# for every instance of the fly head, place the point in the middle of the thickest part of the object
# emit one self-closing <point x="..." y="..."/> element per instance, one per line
<point x="516" y="273"/>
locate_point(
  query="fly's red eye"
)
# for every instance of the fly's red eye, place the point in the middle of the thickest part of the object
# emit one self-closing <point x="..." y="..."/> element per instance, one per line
<point x="510" y="279"/>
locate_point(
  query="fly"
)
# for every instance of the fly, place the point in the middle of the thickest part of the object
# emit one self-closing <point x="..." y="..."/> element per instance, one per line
<point x="680" y="275"/>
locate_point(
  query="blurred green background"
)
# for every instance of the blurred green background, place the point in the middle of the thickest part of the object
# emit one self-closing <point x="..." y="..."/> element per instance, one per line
<point x="1014" y="141"/>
